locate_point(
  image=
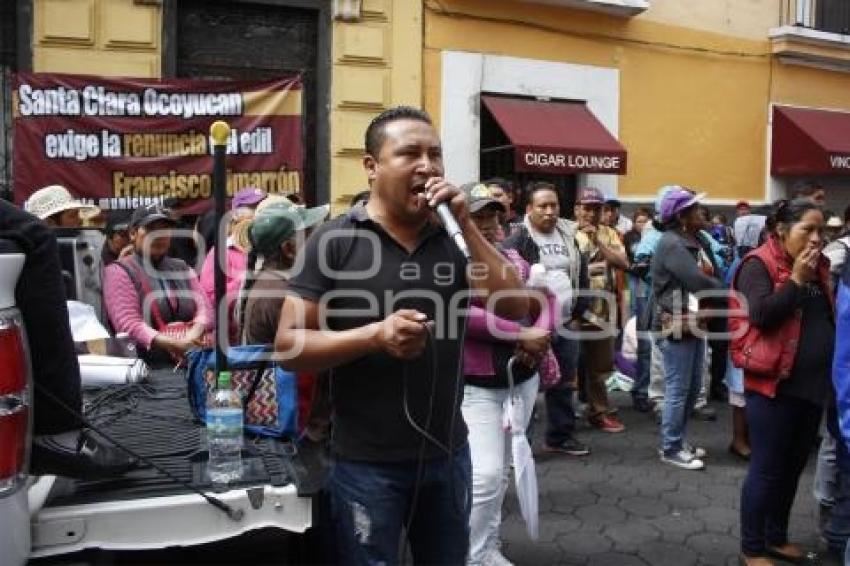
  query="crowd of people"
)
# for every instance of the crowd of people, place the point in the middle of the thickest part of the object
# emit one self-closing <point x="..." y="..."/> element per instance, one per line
<point x="420" y="348"/>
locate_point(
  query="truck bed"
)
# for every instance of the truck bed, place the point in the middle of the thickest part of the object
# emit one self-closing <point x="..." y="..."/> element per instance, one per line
<point x="154" y="419"/>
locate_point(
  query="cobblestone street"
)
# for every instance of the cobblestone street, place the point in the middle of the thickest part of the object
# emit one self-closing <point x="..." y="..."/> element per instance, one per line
<point x="621" y="506"/>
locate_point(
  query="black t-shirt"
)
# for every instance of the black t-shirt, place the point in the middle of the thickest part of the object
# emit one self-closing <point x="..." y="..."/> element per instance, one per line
<point x="367" y="394"/>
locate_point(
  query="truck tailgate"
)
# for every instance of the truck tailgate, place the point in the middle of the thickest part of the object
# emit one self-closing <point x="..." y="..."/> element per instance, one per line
<point x="145" y="509"/>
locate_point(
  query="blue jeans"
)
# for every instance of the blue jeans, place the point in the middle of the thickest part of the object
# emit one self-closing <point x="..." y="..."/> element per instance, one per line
<point x="837" y="529"/>
<point x="683" y="366"/>
<point x="825" y="488"/>
<point x="560" y="416"/>
<point x="782" y="432"/>
<point x="634" y="287"/>
<point x="640" y="388"/>
<point x="371" y="503"/>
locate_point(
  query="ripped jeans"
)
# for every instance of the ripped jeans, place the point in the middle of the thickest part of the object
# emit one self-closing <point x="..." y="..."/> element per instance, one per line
<point x="371" y="502"/>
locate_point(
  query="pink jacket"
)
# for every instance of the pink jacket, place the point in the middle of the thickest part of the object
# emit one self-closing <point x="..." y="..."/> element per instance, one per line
<point x="124" y="307"/>
<point x="478" y="347"/>
<point x="234" y="274"/>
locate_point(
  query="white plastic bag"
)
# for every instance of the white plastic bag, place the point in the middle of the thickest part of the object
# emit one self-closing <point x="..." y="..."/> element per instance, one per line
<point x="84" y="323"/>
<point x="525" y="475"/>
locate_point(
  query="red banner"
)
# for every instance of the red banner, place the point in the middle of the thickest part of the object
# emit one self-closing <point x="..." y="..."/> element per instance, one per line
<point x="120" y="143"/>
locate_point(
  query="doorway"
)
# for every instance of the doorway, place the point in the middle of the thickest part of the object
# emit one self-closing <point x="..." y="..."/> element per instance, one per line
<point x="497" y="160"/>
<point x="256" y="40"/>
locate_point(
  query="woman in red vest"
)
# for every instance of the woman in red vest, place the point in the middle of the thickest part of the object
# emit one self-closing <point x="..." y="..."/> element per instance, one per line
<point x="786" y="372"/>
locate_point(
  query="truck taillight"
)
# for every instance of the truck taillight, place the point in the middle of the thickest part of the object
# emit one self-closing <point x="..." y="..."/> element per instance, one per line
<point x="13" y="362"/>
<point x="13" y="445"/>
<point x="14" y="402"/>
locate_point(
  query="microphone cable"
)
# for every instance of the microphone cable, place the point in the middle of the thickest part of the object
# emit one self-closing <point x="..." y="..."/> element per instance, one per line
<point x="233" y="514"/>
<point x="428" y="437"/>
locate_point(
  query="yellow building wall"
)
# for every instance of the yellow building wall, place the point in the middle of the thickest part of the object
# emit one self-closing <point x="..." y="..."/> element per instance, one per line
<point x="377" y="64"/>
<point x="815" y="88"/>
<point x="97" y="37"/>
<point x="744" y="18"/>
<point x="694" y="103"/>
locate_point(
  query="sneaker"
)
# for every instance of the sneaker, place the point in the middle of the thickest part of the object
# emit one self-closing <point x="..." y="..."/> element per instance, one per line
<point x="571" y="446"/>
<point x="694" y="451"/>
<point x="697" y="452"/>
<point x="704" y="413"/>
<point x="683" y="459"/>
<point x="607" y="423"/>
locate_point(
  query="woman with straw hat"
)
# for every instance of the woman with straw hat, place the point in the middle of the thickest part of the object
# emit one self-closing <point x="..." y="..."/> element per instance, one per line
<point x="55" y="205"/>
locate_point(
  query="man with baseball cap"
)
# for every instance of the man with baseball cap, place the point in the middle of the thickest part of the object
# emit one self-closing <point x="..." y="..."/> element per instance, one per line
<point x="603" y="251"/>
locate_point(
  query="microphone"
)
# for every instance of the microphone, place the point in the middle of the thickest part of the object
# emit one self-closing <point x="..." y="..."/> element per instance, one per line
<point x="453" y="229"/>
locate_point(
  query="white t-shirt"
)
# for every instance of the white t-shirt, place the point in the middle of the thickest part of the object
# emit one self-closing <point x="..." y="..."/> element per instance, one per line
<point x="747" y="230"/>
<point x="836" y="253"/>
<point x="624" y="224"/>
<point x="555" y="257"/>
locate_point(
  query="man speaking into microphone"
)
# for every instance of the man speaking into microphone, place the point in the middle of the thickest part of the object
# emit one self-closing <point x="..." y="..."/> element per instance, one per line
<point x="380" y="302"/>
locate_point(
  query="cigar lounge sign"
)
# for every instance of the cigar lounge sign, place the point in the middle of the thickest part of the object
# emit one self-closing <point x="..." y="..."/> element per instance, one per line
<point x="121" y="143"/>
<point x="535" y="160"/>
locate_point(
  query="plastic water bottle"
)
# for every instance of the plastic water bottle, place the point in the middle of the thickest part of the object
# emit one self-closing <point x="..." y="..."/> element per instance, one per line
<point x="224" y="432"/>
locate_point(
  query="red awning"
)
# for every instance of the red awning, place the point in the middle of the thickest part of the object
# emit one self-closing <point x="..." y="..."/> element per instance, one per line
<point x="810" y="142"/>
<point x="556" y="137"/>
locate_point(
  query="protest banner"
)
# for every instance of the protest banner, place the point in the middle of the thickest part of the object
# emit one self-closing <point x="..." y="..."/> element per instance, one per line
<point x="120" y="143"/>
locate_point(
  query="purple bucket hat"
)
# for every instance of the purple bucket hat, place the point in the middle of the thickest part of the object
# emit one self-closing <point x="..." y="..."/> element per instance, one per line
<point x="675" y="201"/>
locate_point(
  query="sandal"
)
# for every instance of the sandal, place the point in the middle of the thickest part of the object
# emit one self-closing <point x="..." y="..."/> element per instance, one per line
<point x="745" y="456"/>
<point x="808" y="558"/>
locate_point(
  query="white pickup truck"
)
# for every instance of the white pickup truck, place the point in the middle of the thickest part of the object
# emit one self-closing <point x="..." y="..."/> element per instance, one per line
<point x="143" y="509"/>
